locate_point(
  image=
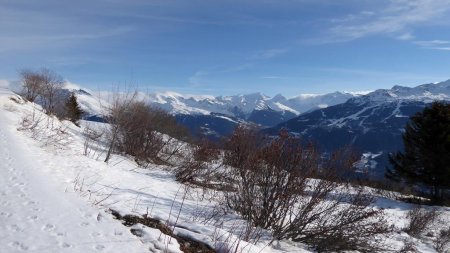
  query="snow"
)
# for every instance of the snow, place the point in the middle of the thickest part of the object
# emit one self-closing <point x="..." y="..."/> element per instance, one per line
<point x="56" y="199"/>
<point x="37" y="214"/>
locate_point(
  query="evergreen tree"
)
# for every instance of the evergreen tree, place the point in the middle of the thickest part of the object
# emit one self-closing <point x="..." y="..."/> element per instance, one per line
<point x="426" y="157"/>
<point x="73" y="110"/>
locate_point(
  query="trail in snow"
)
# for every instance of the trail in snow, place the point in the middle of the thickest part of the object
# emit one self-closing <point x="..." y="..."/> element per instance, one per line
<point x="36" y="216"/>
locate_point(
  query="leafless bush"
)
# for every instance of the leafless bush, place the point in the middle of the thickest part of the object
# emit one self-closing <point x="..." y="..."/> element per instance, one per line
<point x="146" y="133"/>
<point x="175" y="135"/>
<point x="137" y="137"/>
<point x="91" y="144"/>
<point x="420" y="219"/>
<point x="117" y="112"/>
<point x="197" y="163"/>
<point x="408" y="248"/>
<point x="442" y="243"/>
<point x="285" y="185"/>
<point x="42" y="128"/>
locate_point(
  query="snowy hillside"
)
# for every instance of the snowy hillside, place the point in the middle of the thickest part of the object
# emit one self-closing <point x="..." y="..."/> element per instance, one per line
<point x="57" y="195"/>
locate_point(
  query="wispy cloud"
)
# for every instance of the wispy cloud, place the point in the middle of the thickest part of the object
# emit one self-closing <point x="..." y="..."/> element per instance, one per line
<point x="30" y="41"/>
<point x="196" y="80"/>
<point x="393" y="76"/>
<point x="434" y="44"/>
<point x="398" y="19"/>
<point x="274" y="77"/>
<point x="268" y="54"/>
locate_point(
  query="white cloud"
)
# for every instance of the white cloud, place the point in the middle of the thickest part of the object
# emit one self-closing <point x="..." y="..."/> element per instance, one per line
<point x="397" y="19"/>
<point x="273" y="77"/>
<point x="197" y="79"/>
<point x="440" y="48"/>
<point x="431" y="43"/>
<point x="268" y="54"/>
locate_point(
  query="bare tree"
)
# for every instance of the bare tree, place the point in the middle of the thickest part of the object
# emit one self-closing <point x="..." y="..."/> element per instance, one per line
<point x="44" y="85"/>
<point x="53" y="82"/>
<point x="32" y="83"/>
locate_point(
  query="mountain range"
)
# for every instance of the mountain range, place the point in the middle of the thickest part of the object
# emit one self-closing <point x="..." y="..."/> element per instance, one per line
<point x="371" y="123"/>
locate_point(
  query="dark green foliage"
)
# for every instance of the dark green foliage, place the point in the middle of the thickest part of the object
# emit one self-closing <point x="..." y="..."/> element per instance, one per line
<point x="72" y="109"/>
<point x="426" y="157"/>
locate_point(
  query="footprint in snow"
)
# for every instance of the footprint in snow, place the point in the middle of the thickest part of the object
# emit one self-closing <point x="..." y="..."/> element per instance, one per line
<point x="99" y="247"/>
<point x="33" y="218"/>
<point x="84" y="224"/>
<point x="30" y="203"/>
<point x="96" y="234"/>
<point x="5" y="214"/>
<point x="60" y="234"/>
<point x="14" y="228"/>
<point x="19" y="245"/>
<point x="65" y="245"/>
<point x="48" y="227"/>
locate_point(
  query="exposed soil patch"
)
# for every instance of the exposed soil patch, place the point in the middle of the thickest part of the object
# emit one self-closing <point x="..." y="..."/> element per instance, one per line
<point x="187" y="245"/>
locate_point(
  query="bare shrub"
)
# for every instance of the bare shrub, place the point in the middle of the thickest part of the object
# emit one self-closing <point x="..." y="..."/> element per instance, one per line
<point x="420" y="219"/>
<point x="137" y="137"/>
<point x="197" y="162"/>
<point x="117" y="112"/>
<point x="91" y="144"/>
<point x="146" y="133"/>
<point x="286" y="186"/>
<point x="42" y="128"/>
<point x="408" y="248"/>
<point x="442" y="243"/>
<point x="175" y="135"/>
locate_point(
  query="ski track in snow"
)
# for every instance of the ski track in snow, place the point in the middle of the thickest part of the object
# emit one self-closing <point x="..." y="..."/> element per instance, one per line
<point x="37" y="217"/>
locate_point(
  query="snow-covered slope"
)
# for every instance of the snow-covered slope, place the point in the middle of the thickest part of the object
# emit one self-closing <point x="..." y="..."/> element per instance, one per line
<point x="37" y="212"/>
<point x="55" y="198"/>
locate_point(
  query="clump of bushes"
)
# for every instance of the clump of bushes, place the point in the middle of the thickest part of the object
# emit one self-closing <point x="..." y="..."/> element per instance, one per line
<point x="286" y="186"/>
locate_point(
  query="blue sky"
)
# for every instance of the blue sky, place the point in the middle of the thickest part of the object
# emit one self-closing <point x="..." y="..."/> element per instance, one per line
<point x="229" y="46"/>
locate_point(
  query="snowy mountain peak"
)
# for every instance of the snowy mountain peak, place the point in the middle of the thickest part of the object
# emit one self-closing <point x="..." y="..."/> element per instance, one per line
<point x="425" y="93"/>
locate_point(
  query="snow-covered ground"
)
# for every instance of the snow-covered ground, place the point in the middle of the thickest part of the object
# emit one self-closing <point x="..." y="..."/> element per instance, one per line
<point x="54" y="198"/>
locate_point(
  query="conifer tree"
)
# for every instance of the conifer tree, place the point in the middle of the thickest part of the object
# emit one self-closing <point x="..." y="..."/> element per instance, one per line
<point x="426" y="157"/>
<point x="73" y="110"/>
